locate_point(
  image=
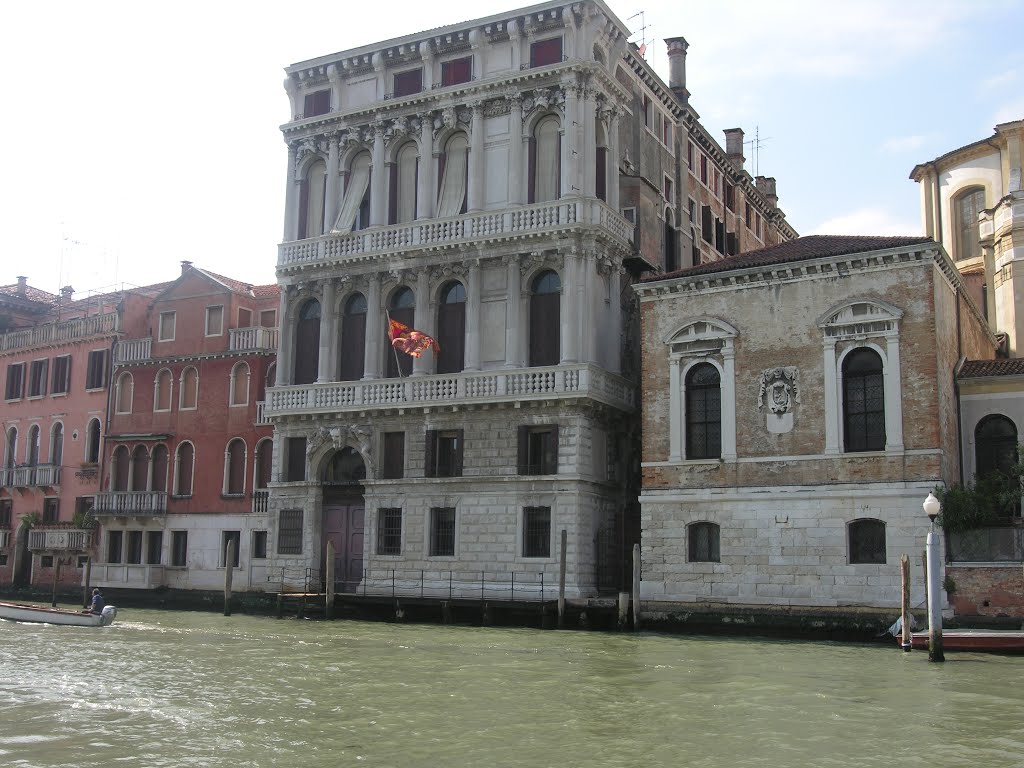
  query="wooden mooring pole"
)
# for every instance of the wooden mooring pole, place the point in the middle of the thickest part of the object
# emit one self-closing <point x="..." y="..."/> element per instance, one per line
<point x="229" y="572"/>
<point x="86" y="577"/>
<point x="56" y="578"/>
<point x="329" y="581"/>
<point x="636" y="587"/>
<point x="905" y="603"/>
<point x="561" y="581"/>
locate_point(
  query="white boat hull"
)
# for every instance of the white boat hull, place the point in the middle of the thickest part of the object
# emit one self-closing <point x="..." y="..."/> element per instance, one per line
<point x="41" y="615"/>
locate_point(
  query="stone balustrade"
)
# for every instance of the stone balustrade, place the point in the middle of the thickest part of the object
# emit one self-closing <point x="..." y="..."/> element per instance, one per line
<point x="133" y="351"/>
<point x="31" y="476"/>
<point x="252" y="339"/>
<point x="131" y="503"/>
<point x="261" y="413"/>
<point x="60" y="331"/>
<point x="563" y="381"/>
<point x="467" y="228"/>
<point x="129" y="576"/>
<point x="59" y="539"/>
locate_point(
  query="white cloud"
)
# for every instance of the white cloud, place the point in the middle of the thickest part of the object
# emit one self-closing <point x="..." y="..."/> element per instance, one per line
<point x="867" y="221"/>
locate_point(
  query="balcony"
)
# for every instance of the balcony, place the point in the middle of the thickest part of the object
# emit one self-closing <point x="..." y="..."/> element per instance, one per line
<point x="133" y="351"/>
<point x="131" y="503"/>
<point x="36" y="476"/>
<point x="62" y="331"/>
<point x="563" y="382"/>
<point x="59" y="539"/>
<point x="489" y="226"/>
<point x="252" y="339"/>
<point x="259" y="501"/>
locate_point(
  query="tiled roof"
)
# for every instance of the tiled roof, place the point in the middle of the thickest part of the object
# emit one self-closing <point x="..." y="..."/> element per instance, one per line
<point x="260" y="291"/>
<point x="976" y="369"/>
<point x="800" y="249"/>
<point x="31" y="294"/>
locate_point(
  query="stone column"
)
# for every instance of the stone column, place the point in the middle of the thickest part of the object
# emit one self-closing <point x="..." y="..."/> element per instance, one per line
<point x="831" y="399"/>
<point x="675" y="411"/>
<point x="378" y="175"/>
<point x="373" y="353"/>
<point x="589" y="154"/>
<point x="729" y="396"/>
<point x="516" y="169"/>
<point x="472" y="362"/>
<point x="425" y="184"/>
<point x="893" y="399"/>
<point x="513" y="305"/>
<point x="475" y="193"/>
<point x="422" y="321"/>
<point x="567" y="308"/>
<point x="291" y="202"/>
<point x="515" y="37"/>
<point x="333" y="182"/>
<point x="570" y="32"/>
<point x="612" y="163"/>
<point x="334" y="76"/>
<point x="592" y="301"/>
<point x="286" y="341"/>
<point x="325" y="370"/>
<point x="569" y="143"/>
<point x="615" y="327"/>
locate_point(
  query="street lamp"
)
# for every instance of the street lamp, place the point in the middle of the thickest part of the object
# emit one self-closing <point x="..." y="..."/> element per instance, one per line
<point x="931" y="508"/>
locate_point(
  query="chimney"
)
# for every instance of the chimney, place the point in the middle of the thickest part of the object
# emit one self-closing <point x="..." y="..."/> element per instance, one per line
<point x="677" y="67"/>
<point x="22" y="284"/>
<point x="766" y="186"/>
<point x="67" y="292"/>
<point x="734" y="147"/>
<point x="185" y="266"/>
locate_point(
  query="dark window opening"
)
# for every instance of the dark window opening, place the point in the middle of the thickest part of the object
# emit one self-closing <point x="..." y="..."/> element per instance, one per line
<point x="96" y="371"/>
<point x="179" y="549"/>
<point x="703" y="412"/>
<point x="230" y="537"/>
<point x="393" y="464"/>
<point x="703" y="542"/>
<point x="863" y="401"/>
<point x="61" y="383"/>
<point x="442" y="532"/>
<point x="389" y="531"/>
<point x="537" y="532"/>
<point x="317" y="103"/>
<point x="296" y="459"/>
<point x="37" y="377"/>
<point x="409" y="82"/>
<point x="154" y="545"/>
<point x="867" y="541"/>
<point x="114" y="543"/>
<point x="444" y="453"/>
<point x="51" y="510"/>
<point x="538" y="450"/>
<point x="289" y="532"/>
<point x="457" y="71"/>
<point x="995" y="446"/>
<point x="134" y="547"/>
<point x="451" y="328"/>
<point x="259" y="545"/>
<point x="15" y="381"/>
<point x="545" y="304"/>
<point x="545" y="52"/>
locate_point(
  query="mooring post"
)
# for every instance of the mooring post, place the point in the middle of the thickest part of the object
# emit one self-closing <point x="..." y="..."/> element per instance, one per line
<point x="905" y="605"/>
<point x="329" y="581"/>
<point x="934" y="599"/>
<point x="56" y="577"/>
<point x="623" y="617"/>
<point x="229" y="572"/>
<point x="561" y="581"/>
<point x="636" y="587"/>
<point x="86" y="577"/>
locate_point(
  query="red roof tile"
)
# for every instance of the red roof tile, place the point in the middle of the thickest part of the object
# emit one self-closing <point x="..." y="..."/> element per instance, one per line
<point x="976" y="369"/>
<point x="260" y="291"/>
<point x="31" y="294"/>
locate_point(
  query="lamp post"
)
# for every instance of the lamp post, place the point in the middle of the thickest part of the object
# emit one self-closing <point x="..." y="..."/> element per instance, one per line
<point x="931" y="508"/>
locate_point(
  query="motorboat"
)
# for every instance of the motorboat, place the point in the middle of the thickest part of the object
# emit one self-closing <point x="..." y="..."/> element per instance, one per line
<point x="42" y="615"/>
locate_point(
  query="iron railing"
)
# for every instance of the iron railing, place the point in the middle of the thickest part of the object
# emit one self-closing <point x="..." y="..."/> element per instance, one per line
<point x="1002" y="544"/>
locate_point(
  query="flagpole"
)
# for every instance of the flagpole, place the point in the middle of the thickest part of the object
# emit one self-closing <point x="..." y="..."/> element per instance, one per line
<point x="394" y="350"/>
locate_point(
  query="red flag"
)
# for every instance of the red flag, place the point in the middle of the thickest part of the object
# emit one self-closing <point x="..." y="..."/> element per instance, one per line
<point x="409" y="340"/>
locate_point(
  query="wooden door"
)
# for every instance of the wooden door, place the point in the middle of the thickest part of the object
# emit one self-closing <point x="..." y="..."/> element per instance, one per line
<point x="343" y="526"/>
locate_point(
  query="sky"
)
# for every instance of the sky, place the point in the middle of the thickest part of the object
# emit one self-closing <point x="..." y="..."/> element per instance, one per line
<point x="136" y="135"/>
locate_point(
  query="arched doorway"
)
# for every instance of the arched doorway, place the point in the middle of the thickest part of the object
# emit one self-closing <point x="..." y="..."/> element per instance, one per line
<point x="343" y="517"/>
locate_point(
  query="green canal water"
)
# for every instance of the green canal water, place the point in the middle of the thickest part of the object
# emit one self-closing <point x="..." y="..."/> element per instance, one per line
<point x="195" y="689"/>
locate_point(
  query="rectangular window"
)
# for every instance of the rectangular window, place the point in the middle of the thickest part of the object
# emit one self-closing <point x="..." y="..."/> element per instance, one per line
<point x="215" y="321"/>
<point x="268" y="318"/>
<point x="5" y="513"/>
<point x="179" y="548"/>
<point x="629" y="214"/>
<point x="61" y="383"/>
<point x="244" y="318"/>
<point x="167" y="323"/>
<point x="51" y="510"/>
<point x="37" y="376"/>
<point x="666" y="132"/>
<point x="545" y="52"/>
<point x="760" y="222"/>
<point x="730" y="197"/>
<point x="230" y="537"/>
<point x="666" y="189"/>
<point x="3" y="558"/>
<point x="689" y="154"/>
<point x="289" y="532"/>
<point x="96" y="371"/>
<point x="296" y="447"/>
<point x="134" y="547"/>
<point x="719" y="235"/>
<point x="389" y="531"/>
<point x="704" y="169"/>
<point x="409" y="82"/>
<point x="444" y="453"/>
<point x="645" y="110"/>
<point x="746" y="214"/>
<point x="457" y="71"/>
<point x="154" y="545"/>
<point x="114" y="541"/>
<point x="707" y="224"/>
<point x="692" y="210"/>
<point x="46" y="561"/>
<point x="15" y="389"/>
<point x="537" y="532"/>
<point x="442" y="531"/>
<point x="259" y="545"/>
<point x="393" y="464"/>
<point x="84" y="505"/>
<point x="538" y="450"/>
<point x="317" y="103"/>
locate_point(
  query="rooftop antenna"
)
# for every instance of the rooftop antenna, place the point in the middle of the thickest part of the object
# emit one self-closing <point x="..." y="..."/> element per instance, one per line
<point x="755" y="145"/>
<point x="642" y="48"/>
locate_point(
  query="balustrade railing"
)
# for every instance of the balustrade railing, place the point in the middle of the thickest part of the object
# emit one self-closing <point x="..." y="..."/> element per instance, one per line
<point x="63" y="330"/>
<point x="579" y="380"/>
<point x="133" y="350"/>
<point x="131" y="503"/>
<point x="31" y="476"/>
<point x="245" y="339"/>
<point x="59" y="539"/>
<point x="259" y="501"/>
<point x="465" y="228"/>
<point x="261" y="415"/>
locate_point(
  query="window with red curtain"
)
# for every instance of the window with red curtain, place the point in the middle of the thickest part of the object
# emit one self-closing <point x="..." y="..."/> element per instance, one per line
<point x="545" y="52"/>
<point x="409" y="82"/>
<point x="457" y="71"/>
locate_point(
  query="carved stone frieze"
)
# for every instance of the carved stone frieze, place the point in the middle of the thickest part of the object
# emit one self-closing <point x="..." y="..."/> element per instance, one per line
<point x="338" y="437"/>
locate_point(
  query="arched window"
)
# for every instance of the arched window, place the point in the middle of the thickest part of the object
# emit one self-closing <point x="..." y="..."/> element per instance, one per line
<point x="863" y="401"/>
<point x="453" y="174"/>
<point x="967" y="206"/>
<point x="189" y="399"/>
<point x="545" y="161"/>
<point x="703" y="412"/>
<point x="124" y="393"/>
<point x="140" y="469"/>
<point x="57" y="444"/>
<point x="312" y="196"/>
<point x="402" y="191"/>
<point x="92" y="442"/>
<point x="401" y="308"/>
<point x="119" y="469"/>
<point x="158" y="482"/>
<point x="234" y="468"/>
<point x="545" y="322"/>
<point x="344" y="468"/>
<point x="307" y="343"/>
<point x="703" y="542"/>
<point x="11" y="448"/>
<point x="353" y="338"/>
<point x="162" y="390"/>
<point x="866" y="541"/>
<point x="355" y="208"/>
<point x="451" y="328"/>
<point x="264" y="463"/>
<point x="271" y="379"/>
<point x="184" y="463"/>
<point x="601" y="157"/>
<point x="32" y="447"/>
<point x="995" y="446"/>
<point x="240" y="384"/>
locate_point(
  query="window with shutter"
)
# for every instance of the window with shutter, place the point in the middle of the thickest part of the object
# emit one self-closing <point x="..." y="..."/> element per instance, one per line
<point x="545" y="52"/>
<point x="61" y="383"/>
<point x="353" y="338"/>
<point x="538" y="449"/>
<point x="316" y="103"/>
<point x="409" y="82"/>
<point x="296" y="459"/>
<point x="451" y="328"/>
<point x="456" y="71"/>
<point x="545" y="301"/>
<point x="393" y="463"/>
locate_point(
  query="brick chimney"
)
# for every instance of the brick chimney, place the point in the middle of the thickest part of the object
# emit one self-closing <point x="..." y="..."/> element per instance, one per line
<point x="766" y="186"/>
<point x="22" y="285"/>
<point x="67" y="292"/>
<point x="734" y="147"/>
<point x="677" y="67"/>
<point x="185" y="266"/>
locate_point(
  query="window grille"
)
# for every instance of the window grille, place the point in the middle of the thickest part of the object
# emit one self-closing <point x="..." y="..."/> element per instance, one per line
<point x="867" y="541"/>
<point x="537" y="532"/>
<point x="704" y="543"/>
<point x="442" y="532"/>
<point x="389" y="531"/>
<point x="289" y="532"/>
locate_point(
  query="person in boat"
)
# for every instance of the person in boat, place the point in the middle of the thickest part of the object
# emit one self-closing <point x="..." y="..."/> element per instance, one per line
<point x="96" y="604"/>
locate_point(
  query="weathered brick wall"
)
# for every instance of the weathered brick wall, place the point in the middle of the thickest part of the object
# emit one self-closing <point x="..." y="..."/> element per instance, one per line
<point x="990" y="591"/>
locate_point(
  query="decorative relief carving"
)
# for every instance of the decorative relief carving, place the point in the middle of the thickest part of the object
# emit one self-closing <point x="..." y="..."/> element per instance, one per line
<point x="497" y="107"/>
<point x="445" y="271"/>
<point x="340" y="437"/>
<point x="778" y="391"/>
